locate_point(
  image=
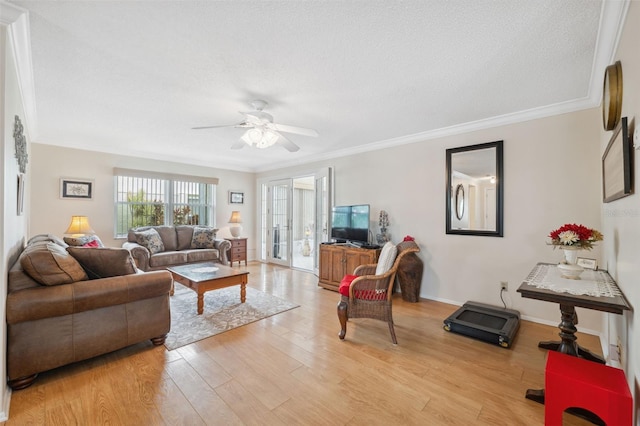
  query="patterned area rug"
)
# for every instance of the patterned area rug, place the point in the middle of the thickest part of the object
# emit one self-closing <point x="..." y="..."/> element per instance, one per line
<point x="222" y="312"/>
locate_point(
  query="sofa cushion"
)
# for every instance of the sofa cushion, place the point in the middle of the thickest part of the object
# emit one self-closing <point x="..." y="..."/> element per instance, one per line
<point x="203" y="237"/>
<point x="202" y="255"/>
<point x="104" y="262"/>
<point x="185" y="234"/>
<point x="169" y="237"/>
<point x="49" y="264"/>
<point x="168" y="258"/>
<point x="151" y="240"/>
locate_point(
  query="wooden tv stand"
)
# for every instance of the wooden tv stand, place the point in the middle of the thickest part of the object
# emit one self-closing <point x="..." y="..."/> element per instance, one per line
<point x="337" y="260"/>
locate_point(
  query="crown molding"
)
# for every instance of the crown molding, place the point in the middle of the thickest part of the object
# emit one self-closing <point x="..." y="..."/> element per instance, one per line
<point x="16" y="20"/>
<point x="488" y="123"/>
<point x="612" y="17"/>
<point x="9" y="13"/>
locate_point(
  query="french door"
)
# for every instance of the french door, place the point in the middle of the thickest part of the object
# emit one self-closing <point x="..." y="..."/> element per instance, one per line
<point x="279" y="222"/>
<point x="324" y="203"/>
<point x="294" y="225"/>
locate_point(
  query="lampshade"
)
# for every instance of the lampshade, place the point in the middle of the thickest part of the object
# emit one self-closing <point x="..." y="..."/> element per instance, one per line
<point x="235" y="220"/>
<point x="79" y="226"/>
<point x="235" y="217"/>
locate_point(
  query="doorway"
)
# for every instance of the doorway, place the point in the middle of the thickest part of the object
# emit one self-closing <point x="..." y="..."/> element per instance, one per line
<point x="294" y="219"/>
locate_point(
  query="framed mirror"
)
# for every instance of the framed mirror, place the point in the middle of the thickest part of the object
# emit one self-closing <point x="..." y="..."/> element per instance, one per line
<point x="475" y="188"/>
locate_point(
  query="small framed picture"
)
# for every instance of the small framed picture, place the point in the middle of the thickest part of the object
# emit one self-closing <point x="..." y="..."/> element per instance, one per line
<point x="236" y="197"/>
<point x="76" y="188"/>
<point x="587" y="263"/>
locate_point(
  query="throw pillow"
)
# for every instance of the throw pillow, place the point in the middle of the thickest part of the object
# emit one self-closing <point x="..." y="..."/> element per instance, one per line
<point x="104" y="262"/>
<point x="93" y="243"/>
<point x="83" y="241"/>
<point x="203" y="237"/>
<point x="387" y="257"/>
<point x="150" y="239"/>
<point x="49" y="264"/>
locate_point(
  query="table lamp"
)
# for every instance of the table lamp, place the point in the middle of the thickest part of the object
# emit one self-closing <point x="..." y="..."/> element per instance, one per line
<point x="79" y="227"/>
<point x="235" y="220"/>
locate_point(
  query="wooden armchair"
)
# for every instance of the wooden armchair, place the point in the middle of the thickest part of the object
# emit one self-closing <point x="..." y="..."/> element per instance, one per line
<point x="366" y="295"/>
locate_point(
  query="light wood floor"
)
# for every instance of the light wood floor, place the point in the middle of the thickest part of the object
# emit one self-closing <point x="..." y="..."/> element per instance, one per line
<point x="291" y="369"/>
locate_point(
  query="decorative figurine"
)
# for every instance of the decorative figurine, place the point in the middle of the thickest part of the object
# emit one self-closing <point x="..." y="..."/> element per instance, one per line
<point x="383" y="237"/>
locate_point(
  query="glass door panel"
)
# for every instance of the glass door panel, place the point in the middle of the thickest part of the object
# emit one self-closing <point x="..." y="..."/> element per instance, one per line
<point x="279" y="222"/>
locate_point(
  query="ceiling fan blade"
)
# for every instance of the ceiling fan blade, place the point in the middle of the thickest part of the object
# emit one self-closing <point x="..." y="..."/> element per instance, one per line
<point x="287" y="144"/>
<point x="239" y="144"/>
<point x="213" y="127"/>
<point x="292" y="129"/>
<point x="244" y="124"/>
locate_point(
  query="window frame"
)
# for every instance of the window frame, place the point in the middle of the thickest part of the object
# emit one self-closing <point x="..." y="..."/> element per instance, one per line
<point x="168" y="181"/>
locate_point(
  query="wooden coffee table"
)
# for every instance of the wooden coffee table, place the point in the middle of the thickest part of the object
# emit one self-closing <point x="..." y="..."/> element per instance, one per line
<point x="202" y="277"/>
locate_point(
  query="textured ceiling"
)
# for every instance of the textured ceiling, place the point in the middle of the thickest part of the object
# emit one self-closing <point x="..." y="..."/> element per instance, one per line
<point x="134" y="77"/>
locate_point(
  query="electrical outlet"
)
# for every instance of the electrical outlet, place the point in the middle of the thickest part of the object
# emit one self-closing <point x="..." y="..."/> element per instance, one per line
<point x="614" y="354"/>
<point x="504" y="285"/>
<point x="620" y="352"/>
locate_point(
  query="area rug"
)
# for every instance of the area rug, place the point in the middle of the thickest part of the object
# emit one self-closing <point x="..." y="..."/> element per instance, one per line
<point x="222" y="312"/>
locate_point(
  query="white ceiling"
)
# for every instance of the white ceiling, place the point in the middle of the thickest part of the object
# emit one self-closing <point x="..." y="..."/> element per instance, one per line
<point x="133" y="77"/>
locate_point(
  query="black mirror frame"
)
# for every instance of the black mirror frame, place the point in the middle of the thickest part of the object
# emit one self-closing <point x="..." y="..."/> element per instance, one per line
<point x="498" y="145"/>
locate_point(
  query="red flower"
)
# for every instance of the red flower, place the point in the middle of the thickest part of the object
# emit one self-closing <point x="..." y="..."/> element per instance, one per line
<point x="578" y="235"/>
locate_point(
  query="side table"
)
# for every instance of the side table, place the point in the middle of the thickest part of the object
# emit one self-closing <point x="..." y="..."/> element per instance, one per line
<point x="545" y="283"/>
<point x="238" y="251"/>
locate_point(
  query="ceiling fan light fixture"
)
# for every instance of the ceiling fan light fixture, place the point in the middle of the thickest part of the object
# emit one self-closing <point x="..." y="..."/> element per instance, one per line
<point x="260" y="138"/>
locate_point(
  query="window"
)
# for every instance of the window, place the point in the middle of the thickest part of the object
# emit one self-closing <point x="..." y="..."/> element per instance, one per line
<point x="146" y="198"/>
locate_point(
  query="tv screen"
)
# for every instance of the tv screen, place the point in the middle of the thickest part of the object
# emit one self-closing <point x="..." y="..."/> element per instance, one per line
<point x="350" y="223"/>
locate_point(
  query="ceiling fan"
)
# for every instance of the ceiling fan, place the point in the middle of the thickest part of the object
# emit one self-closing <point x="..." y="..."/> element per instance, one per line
<point x="262" y="132"/>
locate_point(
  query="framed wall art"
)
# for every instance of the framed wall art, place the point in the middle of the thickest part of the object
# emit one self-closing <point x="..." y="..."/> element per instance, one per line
<point x="616" y="165"/>
<point x="236" y="197"/>
<point x="72" y="188"/>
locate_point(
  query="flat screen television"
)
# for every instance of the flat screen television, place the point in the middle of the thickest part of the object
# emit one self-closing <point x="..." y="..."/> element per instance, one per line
<point x="350" y="224"/>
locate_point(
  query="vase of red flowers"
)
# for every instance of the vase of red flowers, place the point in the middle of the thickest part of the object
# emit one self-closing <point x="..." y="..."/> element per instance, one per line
<point x="571" y="238"/>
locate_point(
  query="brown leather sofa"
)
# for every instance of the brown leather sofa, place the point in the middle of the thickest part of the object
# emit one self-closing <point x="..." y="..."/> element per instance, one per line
<point x="62" y="308"/>
<point x="177" y="245"/>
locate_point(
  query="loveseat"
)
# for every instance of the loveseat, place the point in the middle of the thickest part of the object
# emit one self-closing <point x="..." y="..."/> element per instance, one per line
<point x="159" y="247"/>
<point x="67" y="304"/>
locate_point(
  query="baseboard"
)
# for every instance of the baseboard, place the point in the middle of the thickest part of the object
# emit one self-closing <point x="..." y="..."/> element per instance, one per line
<point x="6" y="402"/>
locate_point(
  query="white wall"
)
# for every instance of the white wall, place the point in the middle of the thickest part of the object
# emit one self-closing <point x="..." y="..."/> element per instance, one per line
<point x="13" y="228"/>
<point x="621" y="218"/>
<point x="51" y="214"/>
<point x="551" y="177"/>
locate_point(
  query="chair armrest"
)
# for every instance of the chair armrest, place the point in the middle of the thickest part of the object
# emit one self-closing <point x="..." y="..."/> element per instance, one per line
<point x="368" y="269"/>
<point x="367" y="284"/>
<point x="139" y="253"/>
<point x="223" y="247"/>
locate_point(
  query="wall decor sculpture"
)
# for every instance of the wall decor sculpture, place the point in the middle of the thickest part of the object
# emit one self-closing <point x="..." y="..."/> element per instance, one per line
<point x="21" y="145"/>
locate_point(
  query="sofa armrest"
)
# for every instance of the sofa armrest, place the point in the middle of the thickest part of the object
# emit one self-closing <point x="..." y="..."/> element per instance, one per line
<point x="223" y="247"/>
<point x="52" y="301"/>
<point x="139" y="253"/>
